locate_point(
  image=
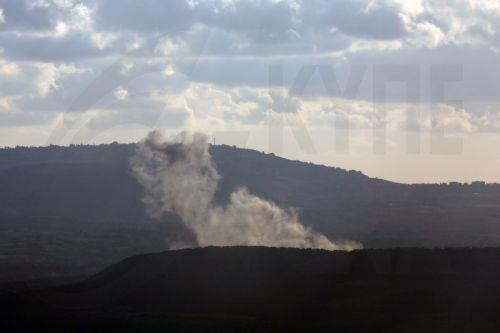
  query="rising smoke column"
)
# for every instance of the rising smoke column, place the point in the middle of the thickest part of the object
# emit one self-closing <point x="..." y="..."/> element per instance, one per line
<point x="178" y="176"/>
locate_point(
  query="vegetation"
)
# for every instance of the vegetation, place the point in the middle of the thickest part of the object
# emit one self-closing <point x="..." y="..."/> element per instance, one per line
<point x="271" y="289"/>
<point x="79" y="208"/>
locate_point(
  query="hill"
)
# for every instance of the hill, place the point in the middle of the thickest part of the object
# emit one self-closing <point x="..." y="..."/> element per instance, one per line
<point x="61" y="203"/>
<point x="267" y="289"/>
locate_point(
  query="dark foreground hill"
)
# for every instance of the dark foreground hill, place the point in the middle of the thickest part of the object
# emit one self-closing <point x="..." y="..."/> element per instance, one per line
<point x="274" y="289"/>
<point x="74" y="210"/>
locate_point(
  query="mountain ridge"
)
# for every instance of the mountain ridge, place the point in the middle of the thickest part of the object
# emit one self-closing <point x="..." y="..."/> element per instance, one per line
<point x="83" y="202"/>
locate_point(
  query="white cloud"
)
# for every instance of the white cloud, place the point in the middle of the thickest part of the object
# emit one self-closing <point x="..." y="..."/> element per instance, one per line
<point x="80" y="17"/>
<point x="50" y="74"/>
<point x="167" y="47"/>
<point x="61" y="29"/>
<point x="47" y="79"/>
<point x="425" y="34"/>
<point x="121" y="93"/>
<point x="169" y="70"/>
<point x="8" y="68"/>
<point x="450" y="119"/>
<point x="102" y="40"/>
<point x="68" y="69"/>
<point x="127" y="66"/>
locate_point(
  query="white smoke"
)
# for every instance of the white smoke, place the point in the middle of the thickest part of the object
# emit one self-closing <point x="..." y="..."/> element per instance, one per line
<point x="179" y="176"/>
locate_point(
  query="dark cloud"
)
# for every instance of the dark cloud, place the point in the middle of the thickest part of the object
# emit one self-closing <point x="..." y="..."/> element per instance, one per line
<point x="148" y="16"/>
<point x="72" y="47"/>
<point x="262" y="21"/>
<point x="21" y="15"/>
<point x="355" y="18"/>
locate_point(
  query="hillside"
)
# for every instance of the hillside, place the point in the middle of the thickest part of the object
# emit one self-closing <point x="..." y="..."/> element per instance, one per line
<point x="266" y="289"/>
<point x="58" y="203"/>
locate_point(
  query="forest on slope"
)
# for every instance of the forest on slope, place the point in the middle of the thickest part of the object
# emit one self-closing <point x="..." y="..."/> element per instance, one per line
<point x="61" y="203"/>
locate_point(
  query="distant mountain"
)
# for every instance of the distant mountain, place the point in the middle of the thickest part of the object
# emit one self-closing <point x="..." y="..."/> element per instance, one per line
<point x="83" y="200"/>
<point x="275" y="289"/>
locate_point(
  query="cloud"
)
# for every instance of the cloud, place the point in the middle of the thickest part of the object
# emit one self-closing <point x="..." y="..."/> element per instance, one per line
<point x="49" y="49"/>
<point x="205" y="64"/>
<point x="168" y="47"/>
<point x="120" y="93"/>
<point x="147" y="16"/>
<point x="364" y="19"/>
<point x="8" y="68"/>
<point x="25" y="16"/>
<point x="102" y="40"/>
<point x="50" y="74"/>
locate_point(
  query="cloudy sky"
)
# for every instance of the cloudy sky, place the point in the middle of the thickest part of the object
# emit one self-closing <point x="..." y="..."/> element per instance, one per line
<point x="402" y="90"/>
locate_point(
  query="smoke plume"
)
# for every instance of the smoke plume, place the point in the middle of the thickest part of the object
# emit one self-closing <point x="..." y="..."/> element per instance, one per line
<point x="179" y="176"/>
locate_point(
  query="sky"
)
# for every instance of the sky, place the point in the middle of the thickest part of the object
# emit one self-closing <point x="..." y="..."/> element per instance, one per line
<point x="401" y="90"/>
